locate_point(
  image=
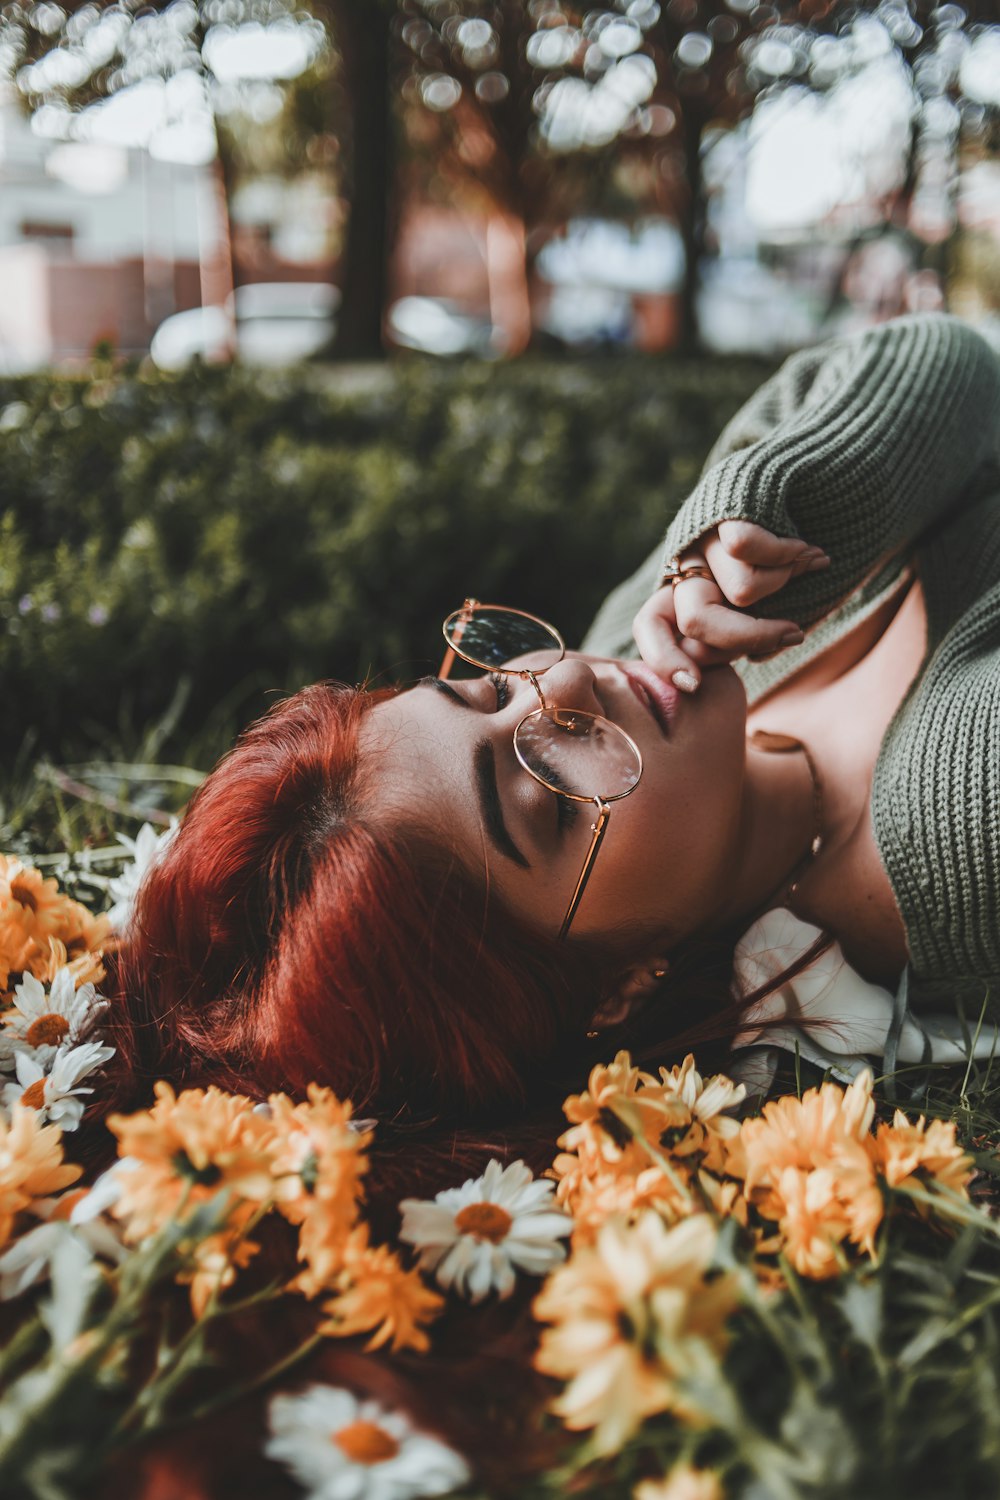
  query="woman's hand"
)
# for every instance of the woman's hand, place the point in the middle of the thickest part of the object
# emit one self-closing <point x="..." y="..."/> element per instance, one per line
<point x="700" y="621"/>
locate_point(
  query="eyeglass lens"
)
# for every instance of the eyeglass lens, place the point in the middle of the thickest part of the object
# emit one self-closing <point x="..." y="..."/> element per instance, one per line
<point x="578" y="753"/>
<point x="492" y="637"/>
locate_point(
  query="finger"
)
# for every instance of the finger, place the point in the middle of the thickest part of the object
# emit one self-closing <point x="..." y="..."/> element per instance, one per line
<point x="655" y="631"/>
<point x="753" y="544"/>
<point x="706" y="656"/>
<point x="700" y="615"/>
<point x="742" y="583"/>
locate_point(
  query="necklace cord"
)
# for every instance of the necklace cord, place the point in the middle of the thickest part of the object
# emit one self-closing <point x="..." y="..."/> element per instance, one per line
<point x="784" y="744"/>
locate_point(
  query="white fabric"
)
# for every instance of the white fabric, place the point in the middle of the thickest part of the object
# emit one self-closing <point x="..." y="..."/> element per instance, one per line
<point x="844" y="1020"/>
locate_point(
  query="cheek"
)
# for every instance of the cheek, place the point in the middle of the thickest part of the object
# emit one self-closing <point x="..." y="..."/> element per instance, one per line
<point x="668" y="846"/>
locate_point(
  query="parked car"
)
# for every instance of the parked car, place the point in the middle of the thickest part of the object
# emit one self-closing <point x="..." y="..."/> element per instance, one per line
<point x="275" y="323"/>
<point x="435" y="325"/>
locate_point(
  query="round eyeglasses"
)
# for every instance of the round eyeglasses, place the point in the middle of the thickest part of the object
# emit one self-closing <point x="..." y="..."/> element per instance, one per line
<point x="575" y="754"/>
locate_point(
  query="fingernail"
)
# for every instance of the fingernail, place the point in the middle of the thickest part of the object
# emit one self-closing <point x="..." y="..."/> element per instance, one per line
<point x="686" y="681"/>
<point x="818" y="563"/>
<point x="792" y="638"/>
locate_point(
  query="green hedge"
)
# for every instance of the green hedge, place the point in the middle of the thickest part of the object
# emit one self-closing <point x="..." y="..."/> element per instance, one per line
<point x="244" y="534"/>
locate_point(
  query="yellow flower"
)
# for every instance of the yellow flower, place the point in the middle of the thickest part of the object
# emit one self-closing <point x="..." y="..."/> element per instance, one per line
<point x="318" y="1158"/>
<point x="695" y="1108"/>
<point x="903" y="1151"/>
<point x="376" y="1294"/>
<point x="806" y="1132"/>
<point x="318" y="1162"/>
<point x="31" y="1164"/>
<point x="682" y="1483"/>
<point x="190" y="1147"/>
<point x="594" y="1197"/>
<point x="807" y="1166"/>
<point x="86" y="968"/>
<point x="679" y="1115"/>
<point x="630" y="1315"/>
<point x="42" y="929"/>
<point x="610" y="1111"/>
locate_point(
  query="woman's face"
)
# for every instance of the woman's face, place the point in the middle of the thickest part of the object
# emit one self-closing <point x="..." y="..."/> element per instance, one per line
<point x="448" y="767"/>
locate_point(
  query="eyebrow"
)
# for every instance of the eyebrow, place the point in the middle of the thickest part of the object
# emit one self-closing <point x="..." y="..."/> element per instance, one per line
<point x="487" y="790"/>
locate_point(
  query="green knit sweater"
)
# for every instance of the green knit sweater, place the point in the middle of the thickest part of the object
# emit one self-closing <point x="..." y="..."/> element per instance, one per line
<point x="883" y="448"/>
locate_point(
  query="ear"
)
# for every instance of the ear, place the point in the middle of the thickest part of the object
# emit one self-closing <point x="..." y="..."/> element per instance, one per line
<point x="634" y="986"/>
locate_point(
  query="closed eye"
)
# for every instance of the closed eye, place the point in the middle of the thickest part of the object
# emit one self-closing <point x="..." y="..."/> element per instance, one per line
<point x="501" y="685"/>
<point x="567" y="810"/>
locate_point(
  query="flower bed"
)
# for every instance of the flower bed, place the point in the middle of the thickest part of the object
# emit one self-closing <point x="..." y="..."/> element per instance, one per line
<point x="685" y="1305"/>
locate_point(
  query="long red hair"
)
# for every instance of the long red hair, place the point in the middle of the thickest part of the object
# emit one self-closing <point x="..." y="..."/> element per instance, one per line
<point x="289" y="936"/>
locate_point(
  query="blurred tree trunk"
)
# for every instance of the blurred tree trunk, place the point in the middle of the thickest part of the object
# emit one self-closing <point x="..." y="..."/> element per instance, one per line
<point x="362" y="32"/>
<point x="692" y="227"/>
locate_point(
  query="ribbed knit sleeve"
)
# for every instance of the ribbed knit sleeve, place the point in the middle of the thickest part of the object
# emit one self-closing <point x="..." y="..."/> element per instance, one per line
<point x="857" y="446"/>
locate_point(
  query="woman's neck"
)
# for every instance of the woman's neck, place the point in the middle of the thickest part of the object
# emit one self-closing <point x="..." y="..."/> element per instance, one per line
<point x="777" y="828"/>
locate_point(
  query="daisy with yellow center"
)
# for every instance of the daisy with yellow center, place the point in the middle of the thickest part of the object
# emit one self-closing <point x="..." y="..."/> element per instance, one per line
<point x="44" y="1021"/>
<point x="190" y="1147"/>
<point x="336" y="1445"/>
<point x="475" y="1237"/>
<point x="629" y="1316"/>
<point x="57" y="1093"/>
<point x="376" y="1295"/>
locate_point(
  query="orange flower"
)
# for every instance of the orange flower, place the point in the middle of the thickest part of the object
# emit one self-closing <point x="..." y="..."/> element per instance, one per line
<point x="86" y="968"/>
<point x="807" y="1166"/>
<point x="697" y="1122"/>
<point x="631" y="1314"/>
<point x="904" y="1152"/>
<point x="680" y="1115"/>
<point x="191" y="1146"/>
<point x="318" y="1159"/>
<point x="31" y="1164"/>
<point x="42" y="929"/>
<point x="593" y="1197"/>
<point x="374" y="1293"/>
<point x="806" y="1132"/>
<point x="611" y="1111"/>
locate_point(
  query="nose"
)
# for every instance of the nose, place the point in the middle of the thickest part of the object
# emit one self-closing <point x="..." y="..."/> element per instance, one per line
<point x="570" y="684"/>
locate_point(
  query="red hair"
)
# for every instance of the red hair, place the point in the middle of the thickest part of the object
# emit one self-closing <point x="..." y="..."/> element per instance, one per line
<point x="290" y="936"/>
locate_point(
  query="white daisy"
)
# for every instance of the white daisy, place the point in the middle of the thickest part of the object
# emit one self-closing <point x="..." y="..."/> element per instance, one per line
<point x="340" y="1448"/>
<point x="105" y="1192"/>
<point x="474" y="1236"/>
<point x="44" y="1022"/>
<point x="29" y="1259"/>
<point x="54" y="1094"/>
<point x="146" y="848"/>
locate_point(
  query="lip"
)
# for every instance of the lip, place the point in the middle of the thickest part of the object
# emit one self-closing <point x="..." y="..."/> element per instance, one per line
<point x="659" y="698"/>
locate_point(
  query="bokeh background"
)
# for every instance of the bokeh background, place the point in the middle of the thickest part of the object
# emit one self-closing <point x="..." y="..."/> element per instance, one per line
<point x="315" y="318"/>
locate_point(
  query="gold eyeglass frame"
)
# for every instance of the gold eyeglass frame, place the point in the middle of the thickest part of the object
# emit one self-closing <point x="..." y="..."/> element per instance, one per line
<point x="564" y="719"/>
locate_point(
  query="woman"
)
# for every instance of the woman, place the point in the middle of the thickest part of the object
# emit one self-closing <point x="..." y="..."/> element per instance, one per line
<point x="382" y="891"/>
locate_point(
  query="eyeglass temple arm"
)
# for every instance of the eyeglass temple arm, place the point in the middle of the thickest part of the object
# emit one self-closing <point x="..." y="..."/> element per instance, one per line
<point x="599" y="828"/>
<point x="448" y="660"/>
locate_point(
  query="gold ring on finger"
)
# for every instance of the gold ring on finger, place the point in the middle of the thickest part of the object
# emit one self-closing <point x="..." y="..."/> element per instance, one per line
<point x="674" y="576"/>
